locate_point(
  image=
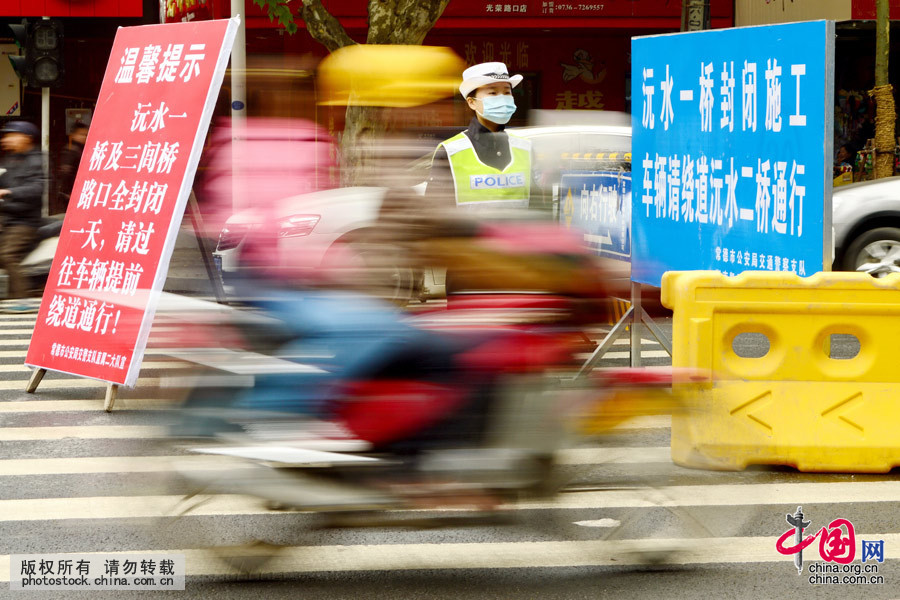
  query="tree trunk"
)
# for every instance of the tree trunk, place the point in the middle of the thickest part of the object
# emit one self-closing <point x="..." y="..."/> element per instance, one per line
<point x="359" y="144"/>
<point x="390" y="22"/>
<point x="885" y="114"/>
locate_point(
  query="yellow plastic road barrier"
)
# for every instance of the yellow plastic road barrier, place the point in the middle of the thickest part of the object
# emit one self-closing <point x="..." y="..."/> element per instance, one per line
<point x="795" y="405"/>
<point x="617" y="309"/>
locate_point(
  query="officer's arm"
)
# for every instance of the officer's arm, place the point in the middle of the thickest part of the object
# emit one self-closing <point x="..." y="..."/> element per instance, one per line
<point x="440" y="191"/>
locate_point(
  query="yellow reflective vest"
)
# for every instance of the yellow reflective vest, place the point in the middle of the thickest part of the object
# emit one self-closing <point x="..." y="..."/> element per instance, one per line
<point x="478" y="185"/>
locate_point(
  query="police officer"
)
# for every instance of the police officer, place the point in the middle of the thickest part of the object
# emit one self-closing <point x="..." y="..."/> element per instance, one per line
<point x="483" y="165"/>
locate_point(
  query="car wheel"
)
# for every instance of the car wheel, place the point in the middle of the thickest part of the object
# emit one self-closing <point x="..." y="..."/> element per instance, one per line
<point x="876" y="252"/>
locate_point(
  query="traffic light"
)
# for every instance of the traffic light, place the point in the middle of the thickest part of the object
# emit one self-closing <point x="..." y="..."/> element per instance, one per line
<point x="20" y="62"/>
<point x="47" y="49"/>
<point x="41" y="64"/>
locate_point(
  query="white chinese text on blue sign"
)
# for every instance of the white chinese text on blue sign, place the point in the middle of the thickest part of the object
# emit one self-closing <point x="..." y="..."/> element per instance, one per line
<point x="732" y="137"/>
<point x="599" y="204"/>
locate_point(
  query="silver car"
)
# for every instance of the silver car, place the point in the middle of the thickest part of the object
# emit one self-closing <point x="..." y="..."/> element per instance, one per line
<point x="866" y="219"/>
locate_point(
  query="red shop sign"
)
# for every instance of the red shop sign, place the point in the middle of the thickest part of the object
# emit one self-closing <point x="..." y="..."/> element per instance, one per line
<point x="141" y="154"/>
<point x="71" y="8"/>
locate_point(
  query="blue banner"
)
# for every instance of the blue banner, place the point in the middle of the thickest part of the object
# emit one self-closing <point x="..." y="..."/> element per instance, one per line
<point x="732" y="150"/>
<point x="599" y="204"/>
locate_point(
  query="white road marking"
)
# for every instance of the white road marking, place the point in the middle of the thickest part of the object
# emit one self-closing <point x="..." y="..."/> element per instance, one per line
<point x="607" y="523"/>
<point x="147" y="364"/>
<point x="64" y="384"/>
<point x="99" y="432"/>
<point x="114" y="464"/>
<point x="599" y="456"/>
<point x="626" y="354"/>
<point x="149" y="464"/>
<point x="626" y="340"/>
<point x="22" y="353"/>
<point x="730" y="495"/>
<point x="83" y="432"/>
<point x="787" y="494"/>
<point x="42" y="406"/>
<point x="648" y="422"/>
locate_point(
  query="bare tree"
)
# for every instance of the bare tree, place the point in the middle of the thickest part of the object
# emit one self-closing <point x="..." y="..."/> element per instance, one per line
<point x="390" y="22"/>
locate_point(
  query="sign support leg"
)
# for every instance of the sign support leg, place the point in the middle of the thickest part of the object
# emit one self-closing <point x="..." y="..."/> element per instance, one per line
<point x="636" y="314"/>
<point x="635" y="317"/>
<point x="112" y="391"/>
<point x="197" y="221"/>
<point x="656" y="331"/>
<point x="36" y="376"/>
<point x="607" y="343"/>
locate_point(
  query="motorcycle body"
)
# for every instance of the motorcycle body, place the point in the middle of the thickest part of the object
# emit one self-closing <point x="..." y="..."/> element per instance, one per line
<point x="400" y="412"/>
<point x="359" y="411"/>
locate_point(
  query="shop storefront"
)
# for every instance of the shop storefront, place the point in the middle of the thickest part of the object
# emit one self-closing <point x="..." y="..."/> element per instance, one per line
<point x="574" y="55"/>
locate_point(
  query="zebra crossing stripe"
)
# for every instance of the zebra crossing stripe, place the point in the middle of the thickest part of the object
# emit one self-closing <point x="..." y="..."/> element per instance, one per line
<point x="130" y="507"/>
<point x="44" y="406"/>
<point x="147" y="364"/>
<point x="114" y="464"/>
<point x="626" y="355"/>
<point x="83" y="432"/>
<point x="64" y="384"/>
<point x="21" y="353"/>
<point x="101" y="432"/>
<point x="150" y="464"/>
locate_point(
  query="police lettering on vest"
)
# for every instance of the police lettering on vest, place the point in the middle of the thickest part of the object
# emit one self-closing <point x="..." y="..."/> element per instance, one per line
<point x="487" y="182"/>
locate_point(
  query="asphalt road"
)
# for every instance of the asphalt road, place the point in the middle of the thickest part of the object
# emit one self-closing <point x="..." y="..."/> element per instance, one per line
<point x="74" y="479"/>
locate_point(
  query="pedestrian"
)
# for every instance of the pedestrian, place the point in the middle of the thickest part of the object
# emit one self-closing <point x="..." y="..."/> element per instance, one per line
<point x="68" y="164"/>
<point x="21" y="196"/>
<point x="484" y="166"/>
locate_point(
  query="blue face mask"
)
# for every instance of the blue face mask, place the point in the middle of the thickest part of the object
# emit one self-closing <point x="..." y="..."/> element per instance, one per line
<point x="498" y="109"/>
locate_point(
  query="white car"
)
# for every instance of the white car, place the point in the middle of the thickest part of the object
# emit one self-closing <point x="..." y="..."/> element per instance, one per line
<point x="313" y="226"/>
<point x="312" y="229"/>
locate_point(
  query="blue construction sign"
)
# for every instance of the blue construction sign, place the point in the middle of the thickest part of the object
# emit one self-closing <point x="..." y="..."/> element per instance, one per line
<point x="732" y="150"/>
<point x="599" y="204"/>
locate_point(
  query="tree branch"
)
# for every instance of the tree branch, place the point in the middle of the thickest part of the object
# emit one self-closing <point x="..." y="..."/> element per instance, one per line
<point x="402" y="21"/>
<point x="323" y="26"/>
<point x="280" y="11"/>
